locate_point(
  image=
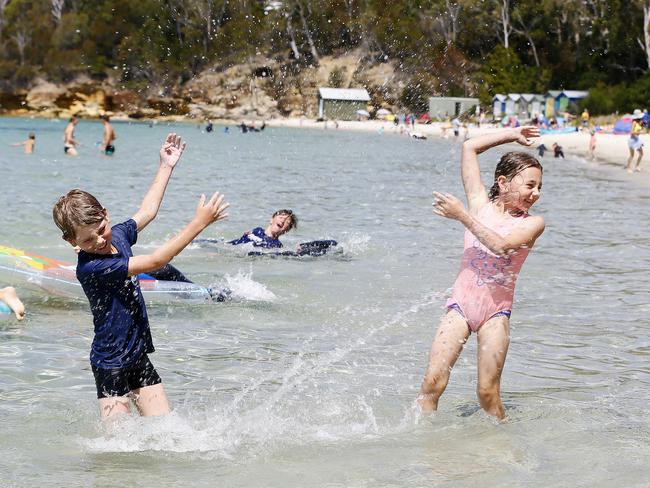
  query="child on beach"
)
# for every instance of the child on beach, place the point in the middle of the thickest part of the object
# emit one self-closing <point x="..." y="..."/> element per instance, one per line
<point x="498" y="237"/>
<point x="634" y="142"/>
<point x="107" y="271"/>
<point x="8" y="295"/>
<point x="558" y="152"/>
<point x="28" y="144"/>
<point x="281" y="222"/>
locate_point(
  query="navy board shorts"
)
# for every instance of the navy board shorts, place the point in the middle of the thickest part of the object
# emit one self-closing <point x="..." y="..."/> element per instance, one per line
<point x="120" y="381"/>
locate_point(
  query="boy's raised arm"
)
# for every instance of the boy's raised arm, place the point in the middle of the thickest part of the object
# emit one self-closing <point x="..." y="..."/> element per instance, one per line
<point x="206" y="214"/>
<point x="170" y="153"/>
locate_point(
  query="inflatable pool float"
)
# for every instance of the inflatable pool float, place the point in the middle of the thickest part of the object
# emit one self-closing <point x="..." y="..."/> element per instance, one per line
<point x="58" y="278"/>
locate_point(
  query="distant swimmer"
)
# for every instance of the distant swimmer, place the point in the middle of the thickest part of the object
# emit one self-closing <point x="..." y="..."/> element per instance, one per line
<point x="209" y="127"/>
<point x="69" y="141"/>
<point x="9" y="296"/>
<point x="28" y="144"/>
<point x="499" y="234"/>
<point x="281" y="222"/>
<point x="109" y="136"/>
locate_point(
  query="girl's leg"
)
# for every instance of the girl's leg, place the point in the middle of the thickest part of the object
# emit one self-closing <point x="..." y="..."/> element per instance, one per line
<point x="628" y="166"/>
<point x="114" y="406"/>
<point x="638" y="161"/>
<point x="8" y="295"/>
<point x="493" y="341"/>
<point x="446" y="347"/>
<point x="151" y="400"/>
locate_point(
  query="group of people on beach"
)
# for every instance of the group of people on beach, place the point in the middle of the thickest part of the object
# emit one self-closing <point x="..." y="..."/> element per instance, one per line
<point x="499" y="234"/>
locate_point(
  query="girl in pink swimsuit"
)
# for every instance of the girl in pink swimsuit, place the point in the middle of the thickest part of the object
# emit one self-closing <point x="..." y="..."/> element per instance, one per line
<point x="499" y="234"/>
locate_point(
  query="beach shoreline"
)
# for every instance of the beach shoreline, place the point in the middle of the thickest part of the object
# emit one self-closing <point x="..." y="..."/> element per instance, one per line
<point x="611" y="149"/>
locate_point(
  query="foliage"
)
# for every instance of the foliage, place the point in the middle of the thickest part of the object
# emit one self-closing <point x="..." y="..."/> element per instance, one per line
<point x="442" y="46"/>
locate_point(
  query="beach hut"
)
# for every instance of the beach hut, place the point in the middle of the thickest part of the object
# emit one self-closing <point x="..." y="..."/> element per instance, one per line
<point x="560" y="101"/>
<point x="341" y="103"/>
<point x="444" y="107"/>
<point x="530" y="105"/>
<point x="498" y="105"/>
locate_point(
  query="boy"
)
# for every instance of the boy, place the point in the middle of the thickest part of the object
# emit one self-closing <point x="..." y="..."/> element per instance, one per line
<point x="109" y="135"/>
<point x="281" y="222"/>
<point x="107" y="271"/>
<point x="69" y="141"/>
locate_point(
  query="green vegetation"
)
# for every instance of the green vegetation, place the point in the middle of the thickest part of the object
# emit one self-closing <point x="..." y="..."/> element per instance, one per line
<point x="461" y="47"/>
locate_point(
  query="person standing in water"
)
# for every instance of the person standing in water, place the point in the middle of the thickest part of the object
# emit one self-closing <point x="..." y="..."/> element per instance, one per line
<point x="108" y="273"/>
<point x="69" y="141"/>
<point x="28" y="144"/>
<point x="109" y="136"/>
<point x="499" y="234"/>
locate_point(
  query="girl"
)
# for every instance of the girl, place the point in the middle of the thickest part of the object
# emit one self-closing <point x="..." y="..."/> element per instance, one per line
<point x="499" y="234"/>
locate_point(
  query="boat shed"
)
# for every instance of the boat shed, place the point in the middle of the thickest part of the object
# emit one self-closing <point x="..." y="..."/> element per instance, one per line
<point x="341" y="103"/>
<point x="444" y="107"/>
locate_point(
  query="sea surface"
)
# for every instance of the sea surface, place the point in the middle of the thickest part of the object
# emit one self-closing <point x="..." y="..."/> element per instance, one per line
<point x="308" y="377"/>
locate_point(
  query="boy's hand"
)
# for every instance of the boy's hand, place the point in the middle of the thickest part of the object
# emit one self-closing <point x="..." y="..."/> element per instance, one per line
<point x="447" y="205"/>
<point x="525" y="133"/>
<point x="213" y="211"/>
<point x="171" y="150"/>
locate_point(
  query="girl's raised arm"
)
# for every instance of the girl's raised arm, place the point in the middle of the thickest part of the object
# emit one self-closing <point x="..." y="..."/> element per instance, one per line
<point x="470" y="171"/>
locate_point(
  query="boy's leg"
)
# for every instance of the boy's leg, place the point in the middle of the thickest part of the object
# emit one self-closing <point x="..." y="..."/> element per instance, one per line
<point x="446" y="347"/>
<point x="111" y="406"/>
<point x="151" y="400"/>
<point x="8" y="295"/>
<point x="493" y="341"/>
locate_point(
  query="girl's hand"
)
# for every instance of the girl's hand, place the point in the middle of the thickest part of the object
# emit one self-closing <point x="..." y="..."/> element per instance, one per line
<point x="447" y="205"/>
<point x="171" y="150"/>
<point x="524" y="134"/>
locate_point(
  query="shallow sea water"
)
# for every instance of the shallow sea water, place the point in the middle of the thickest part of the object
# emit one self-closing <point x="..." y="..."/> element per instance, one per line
<point x="308" y="377"/>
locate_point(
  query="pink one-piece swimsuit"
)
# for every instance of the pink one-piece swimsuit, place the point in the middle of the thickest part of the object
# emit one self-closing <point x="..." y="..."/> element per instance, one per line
<point x="485" y="285"/>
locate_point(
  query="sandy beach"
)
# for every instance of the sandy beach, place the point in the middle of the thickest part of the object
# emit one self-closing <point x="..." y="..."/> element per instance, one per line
<point x="610" y="148"/>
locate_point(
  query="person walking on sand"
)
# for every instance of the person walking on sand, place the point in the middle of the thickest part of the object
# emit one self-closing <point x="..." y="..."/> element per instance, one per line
<point x="634" y="142"/>
<point x="499" y="234"/>
<point x="592" y="143"/>
<point x="109" y="136"/>
<point x="69" y="141"/>
<point x="28" y="144"/>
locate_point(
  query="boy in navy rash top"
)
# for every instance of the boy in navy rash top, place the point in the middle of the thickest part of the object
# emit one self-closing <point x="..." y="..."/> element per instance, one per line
<point x="281" y="222"/>
<point x="107" y="271"/>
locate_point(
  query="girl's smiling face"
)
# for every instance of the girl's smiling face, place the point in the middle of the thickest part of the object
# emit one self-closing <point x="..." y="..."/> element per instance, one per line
<point x="522" y="191"/>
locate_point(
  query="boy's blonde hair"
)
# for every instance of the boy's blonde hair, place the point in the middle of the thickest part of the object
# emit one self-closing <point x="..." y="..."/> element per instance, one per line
<point x="76" y="208"/>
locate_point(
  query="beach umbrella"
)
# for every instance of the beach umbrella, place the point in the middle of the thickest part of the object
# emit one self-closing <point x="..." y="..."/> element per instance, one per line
<point x="623" y="126"/>
<point x="363" y="113"/>
<point x="383" y="111"/>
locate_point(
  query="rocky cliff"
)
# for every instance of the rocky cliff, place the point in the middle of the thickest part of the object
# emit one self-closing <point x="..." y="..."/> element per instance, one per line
<point x="261" y="88"/>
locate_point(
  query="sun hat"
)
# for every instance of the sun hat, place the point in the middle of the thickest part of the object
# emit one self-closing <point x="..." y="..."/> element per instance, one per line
<point x="637" y="114"/>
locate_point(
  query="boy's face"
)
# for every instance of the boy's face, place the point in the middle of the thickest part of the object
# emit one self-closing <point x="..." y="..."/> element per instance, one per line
<point x="281" y="224"/>
<point x="94" y="238"/>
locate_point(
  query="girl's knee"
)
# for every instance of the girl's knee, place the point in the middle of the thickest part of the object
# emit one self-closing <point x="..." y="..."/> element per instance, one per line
<point x="434" y="384"/>
<point x="488" y="392"/>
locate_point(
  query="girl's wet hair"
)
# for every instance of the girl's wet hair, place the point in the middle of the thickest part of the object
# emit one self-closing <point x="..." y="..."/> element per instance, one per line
<point x="294" y="218"/>
<point x="511" y="164"/>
